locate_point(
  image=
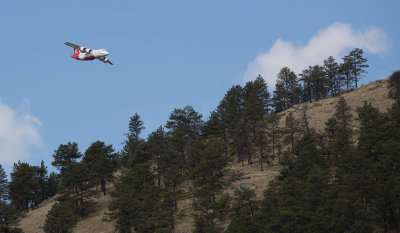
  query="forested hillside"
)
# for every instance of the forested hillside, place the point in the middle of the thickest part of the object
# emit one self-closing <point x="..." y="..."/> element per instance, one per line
<point x="319" y="154"/>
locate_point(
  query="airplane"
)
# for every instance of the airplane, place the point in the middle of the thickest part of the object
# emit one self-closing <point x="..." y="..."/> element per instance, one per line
<point x="84" y="54"/>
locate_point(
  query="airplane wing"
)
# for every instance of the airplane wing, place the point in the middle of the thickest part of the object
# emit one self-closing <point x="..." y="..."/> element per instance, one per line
<point x="105" y="60"/>
<point x="75" y="46"/>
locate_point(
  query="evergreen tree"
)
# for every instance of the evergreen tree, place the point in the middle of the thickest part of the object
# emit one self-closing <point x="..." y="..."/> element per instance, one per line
<point x="357" y="62"/>
<point x="331" y="70"/>
<point x="256" y="107"/>
<point x="8" y="214"/>
<point x="53" y="184"/>
<point x="8" y="218"/>
<point x="42" y="180"/>
<point x="242" y="142"/>
<point x="137" y="202"/>
<point x="290" y="205"/>
<point x="65" y="155"/>
<point x="306" y="77"/>
<point x="394" y="83"/>
<point x="61" y="218"/>
<point x="184" y="127"/>
<point x="168" y="174"/>
<point x="260" y="87"/>
<point x="339" y="146"/>
<point x="3" y="184"/>
<point x="291" y="129"/>
<point x="287" y="89"/>
<point x="230" y="110"/>
<point x="387" y="203"/>
<point x="207" y="166"/>
<point x="274" y="132"/>
<point x="244" y="212"/>
<point x="345" y="70"/>
<point x="343" y="113"/>
<point x="99" y="159"/>
<point x="261" y="141"/>
<point x="318" y="82"/>
<point x="77" y="187"/>
<point x="23" y="186"/>
<point x="279" y="98"/>
<point x="133" y="141"/>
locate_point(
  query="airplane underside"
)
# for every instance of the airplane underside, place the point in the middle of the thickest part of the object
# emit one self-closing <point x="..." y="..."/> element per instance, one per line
<point x="86" y="54"/>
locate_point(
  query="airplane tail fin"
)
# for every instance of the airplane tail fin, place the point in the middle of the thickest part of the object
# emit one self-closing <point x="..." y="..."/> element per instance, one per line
<point x="76" y="51"/>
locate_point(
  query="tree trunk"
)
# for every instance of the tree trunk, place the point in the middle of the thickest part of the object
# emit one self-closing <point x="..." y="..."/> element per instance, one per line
<point x="261" y="159"/>
<point x="103" y="186"/>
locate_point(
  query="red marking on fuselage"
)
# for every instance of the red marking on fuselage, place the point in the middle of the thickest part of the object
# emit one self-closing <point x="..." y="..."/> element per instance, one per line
<point x="77" y="53"/>
<point x="89" y="58"/>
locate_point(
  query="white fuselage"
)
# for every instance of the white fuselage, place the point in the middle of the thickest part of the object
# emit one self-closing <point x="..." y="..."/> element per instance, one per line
<point x="82" y="55"/>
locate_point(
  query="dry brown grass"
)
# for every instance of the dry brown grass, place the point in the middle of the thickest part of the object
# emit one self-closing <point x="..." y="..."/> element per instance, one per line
<point x="248" y="176"/>
<point x="320" y="111"/>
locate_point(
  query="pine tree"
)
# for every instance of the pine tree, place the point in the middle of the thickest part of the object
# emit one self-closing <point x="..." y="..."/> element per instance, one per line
<point x="3" y="184"/>
<point x="242" y="142"/>
<point x="244" y="212"/>
<point x="61" y="218"/>
<point x="387" y="203"/>
<point x="274" y="132"/>
<point x="394" y="83"/>
<point x="307" y="92"/>
<point x="230" y="110"/>
<point x="8" y="218"/>
<point x="319" y="82"/>
<point x="256" y="107"/>
<point x="184" y="127"/>
<point x="168" y="175"/>
<point x="207" y="166"/>
<point x="77" y="187"/>
<point x="133" y="142"/>
<point x="8" y="214"/>
<point x="261" y="141"/>
<point x="23" y="187"/>
<point x="137" y="202"/>
<point x="53" y="184"/>
<point x="287" y="89"/>
<point x="345" y="70"/>
<point x="343" y="114"/>
<point x="42" y="180"/>
<point x="291" y="129"/>
<point x="356" y="63"/>
<point x="291" y="202"/>
<point x="331" y="70"/>
<point x="261" y="90"/>
<point x="65" y="155"/>
<point x="99" y="159"/>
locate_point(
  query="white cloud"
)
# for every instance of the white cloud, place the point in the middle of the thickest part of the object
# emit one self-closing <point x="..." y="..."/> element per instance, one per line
<point x="334" y="41"/>
<point x="18" y="133"/>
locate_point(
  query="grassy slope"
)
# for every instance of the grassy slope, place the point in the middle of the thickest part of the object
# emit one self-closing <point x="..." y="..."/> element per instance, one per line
<point x="249" y="175"/>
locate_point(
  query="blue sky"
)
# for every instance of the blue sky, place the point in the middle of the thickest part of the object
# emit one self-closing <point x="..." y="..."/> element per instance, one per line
<point x="167" y="54"/>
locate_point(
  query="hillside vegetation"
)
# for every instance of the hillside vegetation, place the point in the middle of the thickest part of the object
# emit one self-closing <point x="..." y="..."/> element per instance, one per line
<point x="317" y="155"/>
<point x="248" y="176"/>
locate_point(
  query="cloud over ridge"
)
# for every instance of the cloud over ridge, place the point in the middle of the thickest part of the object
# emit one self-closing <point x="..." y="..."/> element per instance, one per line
<point x="18" y="133"/>
<point x="331" y="41"/>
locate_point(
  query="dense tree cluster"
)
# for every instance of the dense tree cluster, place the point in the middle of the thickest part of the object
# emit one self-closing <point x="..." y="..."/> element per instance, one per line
<point x="330" y="181"/>
<point x="353" y="188"/>
<point x="79" y="177"/>
<point x="317" y="81"/>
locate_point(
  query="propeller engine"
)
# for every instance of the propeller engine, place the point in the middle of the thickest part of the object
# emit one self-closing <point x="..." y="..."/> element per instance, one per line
<point x="85" y="50"/>
<point x="106" y="60"/>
